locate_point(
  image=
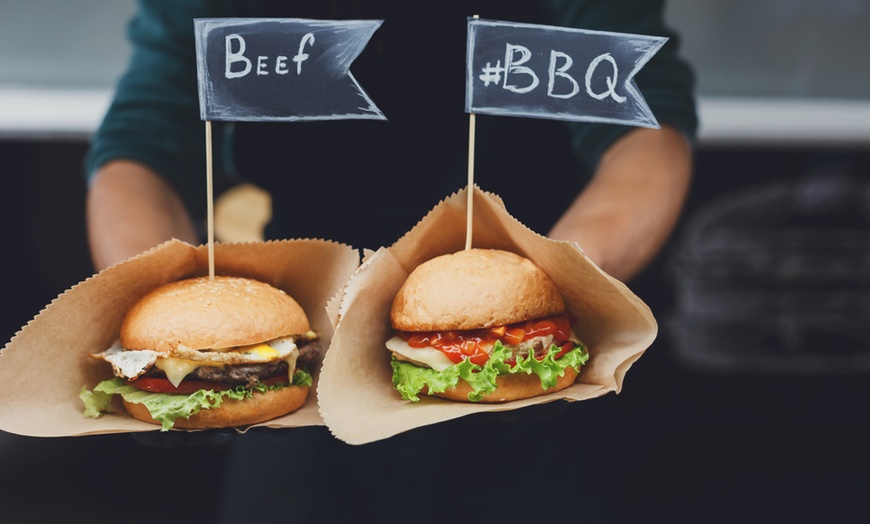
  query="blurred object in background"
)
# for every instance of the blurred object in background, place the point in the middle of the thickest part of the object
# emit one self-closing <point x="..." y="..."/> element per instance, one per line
<point x="241" y="214"/>
<point x="58" y="65"/>
<point x="778" y="72"/>
<point x="774" y="278"/>
<point x="776" y="48"/>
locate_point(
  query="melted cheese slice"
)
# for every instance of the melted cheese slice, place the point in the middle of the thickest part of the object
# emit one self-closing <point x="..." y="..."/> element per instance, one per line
<point x="428" y="355"/>
<point x="176" y="369"/>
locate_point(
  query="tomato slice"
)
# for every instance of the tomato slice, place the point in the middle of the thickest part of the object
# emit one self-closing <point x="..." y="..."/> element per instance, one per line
<point x="514" y="335"/>
<point x="467" y="349"/>
<point x="498" y="331"/>
<point x="566" y="347"/>
<point x="162" y="385"/>
<point x="476" y="345"/>
<point x="559" y="327"/>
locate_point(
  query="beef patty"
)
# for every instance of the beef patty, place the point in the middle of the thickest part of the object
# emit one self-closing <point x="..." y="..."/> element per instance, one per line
<point x="248" y="374"/>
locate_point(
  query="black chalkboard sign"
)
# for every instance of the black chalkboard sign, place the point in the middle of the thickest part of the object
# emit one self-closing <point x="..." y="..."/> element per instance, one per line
<point x="269" y="69"/>
<point x="557" y="73"/>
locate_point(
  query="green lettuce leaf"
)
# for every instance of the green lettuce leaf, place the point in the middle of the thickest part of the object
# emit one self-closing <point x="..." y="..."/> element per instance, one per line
<point x="166" y="407"/>
<point x="410" y="379"/>
<point x="96" y="402"/>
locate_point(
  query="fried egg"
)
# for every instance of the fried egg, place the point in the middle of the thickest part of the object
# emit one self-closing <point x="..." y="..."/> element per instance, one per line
<point x="179" y="361"/>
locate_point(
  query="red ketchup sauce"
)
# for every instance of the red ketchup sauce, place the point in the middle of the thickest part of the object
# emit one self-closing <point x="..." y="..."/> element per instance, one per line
<point x="476" y="344"/>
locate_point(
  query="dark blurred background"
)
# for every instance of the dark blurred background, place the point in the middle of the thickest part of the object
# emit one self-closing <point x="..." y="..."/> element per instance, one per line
<point x="749" y="406"/>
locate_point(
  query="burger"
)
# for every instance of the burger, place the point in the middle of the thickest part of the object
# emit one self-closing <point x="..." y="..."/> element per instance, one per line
<point x="209" y="352"/>
<point x="482" y="325"/>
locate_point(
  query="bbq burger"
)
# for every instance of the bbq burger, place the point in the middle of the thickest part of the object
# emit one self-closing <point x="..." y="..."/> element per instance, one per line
<point x="481" y="325"/>
<point x="209" y="353"/>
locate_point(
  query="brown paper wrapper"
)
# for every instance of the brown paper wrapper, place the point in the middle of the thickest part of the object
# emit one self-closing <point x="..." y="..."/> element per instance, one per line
<point x="46" y="364"/>
<point x="356" y="397"/>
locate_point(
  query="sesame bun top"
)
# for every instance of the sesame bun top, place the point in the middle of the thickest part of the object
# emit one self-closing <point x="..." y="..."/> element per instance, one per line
<point x="474" y="288"/>
<point x="218" y="313"/>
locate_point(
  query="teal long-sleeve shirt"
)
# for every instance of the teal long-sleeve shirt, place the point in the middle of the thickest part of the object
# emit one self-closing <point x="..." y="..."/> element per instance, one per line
<point x="154" y="117"/>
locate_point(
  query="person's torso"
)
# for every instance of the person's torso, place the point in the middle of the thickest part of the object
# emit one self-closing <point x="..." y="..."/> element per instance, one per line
<point x="367" y="182"/>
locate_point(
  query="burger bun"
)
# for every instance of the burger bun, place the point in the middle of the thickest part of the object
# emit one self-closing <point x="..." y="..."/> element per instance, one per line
<point x="473" y="289"/>
<point x="510" y="387"/>
<point x="212" y="313"/>
<point x="259" y="408"/>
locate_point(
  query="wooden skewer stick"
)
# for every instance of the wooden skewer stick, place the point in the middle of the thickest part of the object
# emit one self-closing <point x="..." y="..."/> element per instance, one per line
<point x="209" y="198"/>
<point x="470" y="204"/>
<point x="471" y="126"/>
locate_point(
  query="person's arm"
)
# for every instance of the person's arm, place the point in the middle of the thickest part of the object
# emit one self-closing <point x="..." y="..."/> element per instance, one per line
<point x="152" y="128"/>
<point x="131" y="209"/>
<point x="632" y="203"/>
<point x="640" y="176"/>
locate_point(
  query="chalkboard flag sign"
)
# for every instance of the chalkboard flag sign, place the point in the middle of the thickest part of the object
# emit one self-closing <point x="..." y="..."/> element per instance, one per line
<point x="558" y="73"/>
<point x="277" y="70"/>
<point x="271" y="69"/>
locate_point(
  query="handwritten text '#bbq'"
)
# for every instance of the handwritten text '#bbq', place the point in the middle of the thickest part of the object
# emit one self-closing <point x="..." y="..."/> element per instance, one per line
<point x="556" y="73"/>
<point x="558" y="66"/>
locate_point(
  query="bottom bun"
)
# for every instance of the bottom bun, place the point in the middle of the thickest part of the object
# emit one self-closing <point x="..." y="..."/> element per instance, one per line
<point x="510" y="387"/>
<point x="259" y="408"/>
